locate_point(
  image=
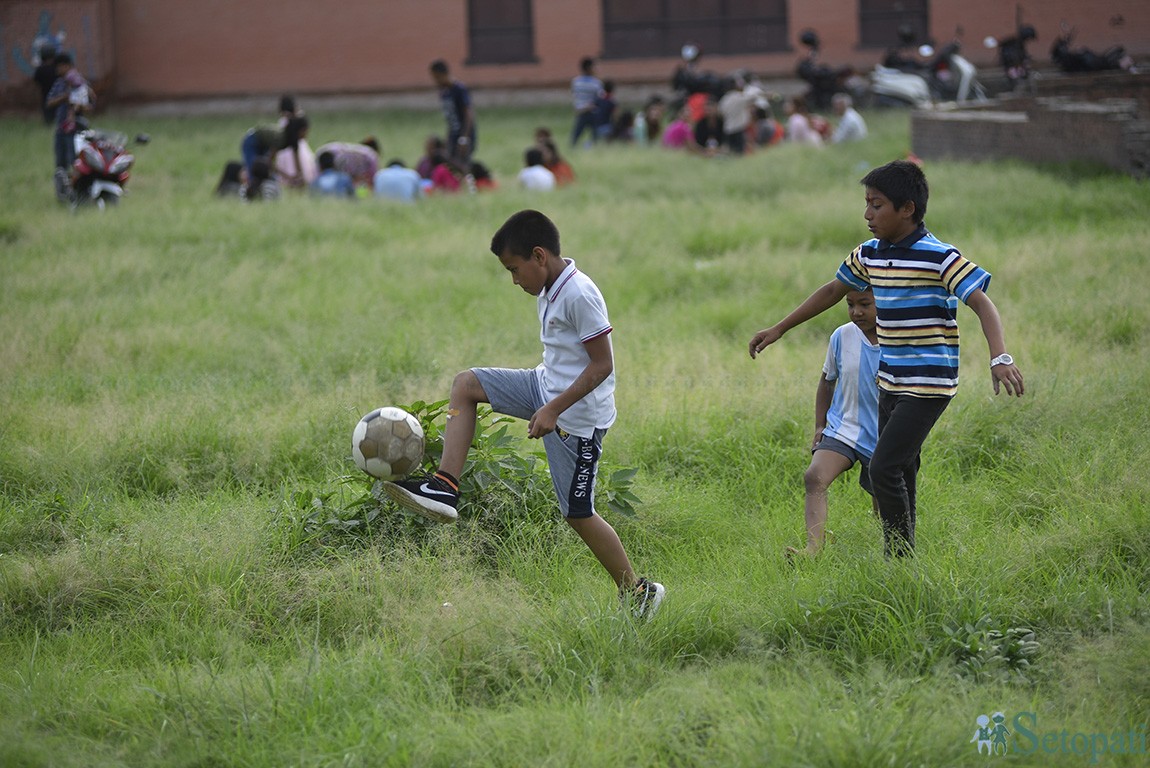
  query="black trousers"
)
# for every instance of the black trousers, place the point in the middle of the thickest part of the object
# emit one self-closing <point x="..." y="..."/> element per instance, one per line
<point x="904" y="421"/>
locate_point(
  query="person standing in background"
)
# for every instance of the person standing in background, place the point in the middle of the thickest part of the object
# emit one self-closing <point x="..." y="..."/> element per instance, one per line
<point x="585" y="90"/>
<point x="457" y="111"/>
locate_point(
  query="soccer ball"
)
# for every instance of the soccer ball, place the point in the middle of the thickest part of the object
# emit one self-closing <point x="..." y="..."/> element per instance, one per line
<point x="387" y="443"/>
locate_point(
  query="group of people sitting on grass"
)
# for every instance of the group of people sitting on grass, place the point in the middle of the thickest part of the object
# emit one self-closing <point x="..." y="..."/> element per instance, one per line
<point x="278" y="157"/>
<point x="744" y="119"/>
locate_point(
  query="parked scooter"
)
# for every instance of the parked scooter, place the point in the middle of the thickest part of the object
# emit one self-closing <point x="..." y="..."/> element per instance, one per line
<point x="892" y="87"/>
<point x="951" y="75"/>
<point x="946" y="73"/>
<point x="102" y="167"/>
<point x="1083" y="59"/>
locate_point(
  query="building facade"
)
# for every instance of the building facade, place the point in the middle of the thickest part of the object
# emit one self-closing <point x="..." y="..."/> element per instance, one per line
<point x="170" y="49"/>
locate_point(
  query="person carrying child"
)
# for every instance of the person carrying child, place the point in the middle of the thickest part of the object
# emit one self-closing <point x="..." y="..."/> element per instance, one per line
<point x="70" y="96"/>
<point x="846" y="413"/>
<point x="568" y="401"/>
<point x="917" y="282"/>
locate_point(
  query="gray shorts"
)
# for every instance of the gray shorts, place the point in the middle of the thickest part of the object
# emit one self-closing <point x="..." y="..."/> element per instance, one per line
<point x="573" y="461"/>
<point x="841" y="448"/>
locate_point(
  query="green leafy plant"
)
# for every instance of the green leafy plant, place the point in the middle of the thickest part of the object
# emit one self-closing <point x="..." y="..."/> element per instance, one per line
<point x="502" y="486"/>
<point x="984" y="652"/>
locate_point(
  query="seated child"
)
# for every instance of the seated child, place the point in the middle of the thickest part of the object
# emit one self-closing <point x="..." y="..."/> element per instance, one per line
<point x="261" y="184"/>
<point x="534" y="175"/>
<point x="332" y="182"/>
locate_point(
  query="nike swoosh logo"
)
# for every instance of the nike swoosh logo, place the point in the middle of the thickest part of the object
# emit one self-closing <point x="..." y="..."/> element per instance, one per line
<point x="425" y="488"/>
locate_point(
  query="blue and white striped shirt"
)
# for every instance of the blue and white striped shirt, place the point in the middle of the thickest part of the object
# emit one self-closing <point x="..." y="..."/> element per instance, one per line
<point x="917" y="283"/>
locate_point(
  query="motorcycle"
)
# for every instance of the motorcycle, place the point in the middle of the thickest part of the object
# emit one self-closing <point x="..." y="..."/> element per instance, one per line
<point x="101" y="169"/>
<point x="1083" y="59"/>
<point x="691" y="84"/>
<point x="1012" y="53"/>
<point x="825" y="81"/>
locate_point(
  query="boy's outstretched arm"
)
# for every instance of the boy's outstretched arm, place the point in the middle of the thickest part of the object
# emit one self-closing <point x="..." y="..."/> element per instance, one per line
<point x="1005" y="375"/>
<point x="818" y="302"/>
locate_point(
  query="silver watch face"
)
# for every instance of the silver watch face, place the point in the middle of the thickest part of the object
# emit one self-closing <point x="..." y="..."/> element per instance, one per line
<point x="1003" y="359"/>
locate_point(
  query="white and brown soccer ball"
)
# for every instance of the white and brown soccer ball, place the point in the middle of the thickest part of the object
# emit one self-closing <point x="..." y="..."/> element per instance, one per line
<point x="388" y="443"/>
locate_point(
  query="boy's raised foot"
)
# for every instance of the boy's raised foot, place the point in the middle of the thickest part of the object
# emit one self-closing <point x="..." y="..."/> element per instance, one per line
<point x="644" y="598"/>
<point x="434" y="497"/>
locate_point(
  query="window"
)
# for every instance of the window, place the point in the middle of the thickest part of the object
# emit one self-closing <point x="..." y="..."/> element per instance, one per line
<point x="500" y="31"/>
<point x="636" y="29"/>
<point x="879" y="21"/>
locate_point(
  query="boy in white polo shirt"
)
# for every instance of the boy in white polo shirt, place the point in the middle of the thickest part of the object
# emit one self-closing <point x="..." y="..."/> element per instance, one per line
<point x="568" y="400"/>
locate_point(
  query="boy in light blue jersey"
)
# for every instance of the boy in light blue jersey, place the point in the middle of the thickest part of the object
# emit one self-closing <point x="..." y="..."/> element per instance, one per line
<point x="568" y="401"/>
<point x="917" y="282"/>
<point x="846" y="414"/>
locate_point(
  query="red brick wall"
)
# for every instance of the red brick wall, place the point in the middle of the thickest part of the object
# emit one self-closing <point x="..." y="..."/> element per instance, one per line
<point x="1102" y="118"/>
<point x="177" y="48"/>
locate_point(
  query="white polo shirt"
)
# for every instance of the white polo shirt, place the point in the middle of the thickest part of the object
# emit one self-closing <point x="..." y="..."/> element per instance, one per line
<point x="537" y="179"/>
<point x="572" y="313"/>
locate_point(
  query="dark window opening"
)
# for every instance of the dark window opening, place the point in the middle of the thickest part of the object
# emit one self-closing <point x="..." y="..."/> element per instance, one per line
<point x="500" y="32"/>
<point x="880" y="20"/>
<point x="638" y="29"/>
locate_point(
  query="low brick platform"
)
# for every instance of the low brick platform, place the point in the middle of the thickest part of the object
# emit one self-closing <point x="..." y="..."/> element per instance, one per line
<point x="1102" y="118"/>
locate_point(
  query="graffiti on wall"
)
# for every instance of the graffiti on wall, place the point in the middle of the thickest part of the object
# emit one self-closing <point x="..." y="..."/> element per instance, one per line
<point x="26" y="29"/>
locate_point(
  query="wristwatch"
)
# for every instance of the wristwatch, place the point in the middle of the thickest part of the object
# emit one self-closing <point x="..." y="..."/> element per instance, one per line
<point x="1003" y="359"/>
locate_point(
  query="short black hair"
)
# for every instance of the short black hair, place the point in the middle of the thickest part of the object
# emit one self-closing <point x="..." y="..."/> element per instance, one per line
<point x="439" y="65"/>
<point x="326" y="160"/>
<point x="901" y="181"/>
<point x="294" y="130"/>
<point x="63" y="58"/>
<point x="587" y="64"/>
<point x="533" y="156"/>
<point x="525" y="231"/>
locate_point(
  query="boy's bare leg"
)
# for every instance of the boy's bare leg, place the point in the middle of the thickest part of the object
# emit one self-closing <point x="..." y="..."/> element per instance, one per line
<point x="825" y="467"/>
<point x="466" y="394"/>
<point x="604" y="543"/>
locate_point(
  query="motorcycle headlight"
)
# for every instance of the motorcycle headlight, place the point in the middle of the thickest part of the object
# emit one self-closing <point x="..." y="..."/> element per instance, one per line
<point x="93" y="158"/>
<point x="121" y="164"/>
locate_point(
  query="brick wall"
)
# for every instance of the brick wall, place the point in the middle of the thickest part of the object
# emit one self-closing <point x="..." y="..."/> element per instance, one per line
<point x="165" y="49"/>
<point x="1094" y="118"/>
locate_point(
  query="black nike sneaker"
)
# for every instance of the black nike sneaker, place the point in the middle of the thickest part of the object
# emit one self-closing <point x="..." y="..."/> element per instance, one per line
<point x="435" y="497"/>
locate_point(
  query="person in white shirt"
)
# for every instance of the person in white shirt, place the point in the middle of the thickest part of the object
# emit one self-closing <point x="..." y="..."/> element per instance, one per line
<point x="851" y="126"/>
<point x="736" y="108"/>
<point x="535" y="175"/>
<point x="567" y="401"/>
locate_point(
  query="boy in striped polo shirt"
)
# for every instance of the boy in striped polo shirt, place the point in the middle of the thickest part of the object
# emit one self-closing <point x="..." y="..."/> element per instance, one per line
<point x="917" y="282"/>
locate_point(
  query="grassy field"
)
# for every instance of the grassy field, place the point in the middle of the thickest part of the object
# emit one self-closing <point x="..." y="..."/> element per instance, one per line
<point x="179" y="378"/>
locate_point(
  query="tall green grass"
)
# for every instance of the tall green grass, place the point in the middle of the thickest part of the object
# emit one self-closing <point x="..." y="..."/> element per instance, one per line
<point x="178" y="372"/>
